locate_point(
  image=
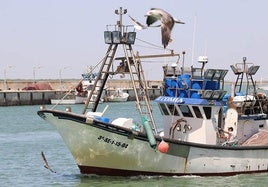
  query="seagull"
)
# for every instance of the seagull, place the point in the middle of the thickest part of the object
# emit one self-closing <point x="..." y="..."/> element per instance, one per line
<point x="46" y="163"/>
<point x="167" y="23"/>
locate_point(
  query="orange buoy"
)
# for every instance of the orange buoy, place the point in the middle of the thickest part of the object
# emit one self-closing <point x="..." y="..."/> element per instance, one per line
<point x="163" y="147"/>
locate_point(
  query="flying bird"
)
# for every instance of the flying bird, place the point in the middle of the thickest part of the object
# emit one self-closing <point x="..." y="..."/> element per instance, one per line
<point x="46" y="163"/>
<point x="167" y="23"/>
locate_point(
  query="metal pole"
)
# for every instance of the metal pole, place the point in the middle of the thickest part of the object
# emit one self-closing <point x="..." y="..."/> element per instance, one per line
<point x="5" y="77"/>
<point x="34" y="70"/>
<point x="120" y="12"/>
<point x="151" y="56"/>
<point x="60" y="73"/>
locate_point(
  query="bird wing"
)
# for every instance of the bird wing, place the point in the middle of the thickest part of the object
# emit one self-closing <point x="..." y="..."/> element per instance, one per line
<point x="44" y="159"/>
<point x="151" y="19"/>
<point x="178" y="21"/>
<point x="166" y="26"/>
<point x="46" y="163"/>
<point x="166" y="34"/>
<point x="138" y="25"/>
<point x="167" y="19"/>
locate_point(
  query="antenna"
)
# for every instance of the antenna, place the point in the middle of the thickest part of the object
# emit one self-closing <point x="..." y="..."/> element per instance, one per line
<point x="120" y="12"/>
<point x="193" y="45"/>
<point x="183" y="56"/>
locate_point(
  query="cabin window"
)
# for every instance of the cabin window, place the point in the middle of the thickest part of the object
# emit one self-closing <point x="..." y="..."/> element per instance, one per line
<point x="197" y="112"/>
<point x="186" y="111"/>
<point x="207" y="111"/>
<point x="173" y="110"/>
<point x="164" y="110"/>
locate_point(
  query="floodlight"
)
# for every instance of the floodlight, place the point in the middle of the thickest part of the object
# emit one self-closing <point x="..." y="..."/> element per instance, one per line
<point x="131" y="37"/>
<point x="117" y="36"/>
<point x="108" y="37"/>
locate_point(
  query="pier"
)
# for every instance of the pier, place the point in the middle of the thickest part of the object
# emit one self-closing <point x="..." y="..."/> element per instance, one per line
<point x="12" y="93"/>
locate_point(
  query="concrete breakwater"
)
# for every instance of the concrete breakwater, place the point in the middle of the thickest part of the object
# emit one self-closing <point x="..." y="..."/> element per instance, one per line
<point x="12" y="98"/>
<point x="14" y="95"/>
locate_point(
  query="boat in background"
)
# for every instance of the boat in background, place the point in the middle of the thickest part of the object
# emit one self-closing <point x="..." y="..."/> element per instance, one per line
<point x="81" y="92"/>
<point x="263" y="86"/>
<point x="66" y="99"/>
<point x="203" y="131"/>
<point x="84" y="89"/>
<point x="116" y="95"/>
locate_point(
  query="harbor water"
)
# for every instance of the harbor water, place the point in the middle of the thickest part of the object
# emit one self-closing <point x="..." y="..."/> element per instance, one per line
<point x="23" y="135"/>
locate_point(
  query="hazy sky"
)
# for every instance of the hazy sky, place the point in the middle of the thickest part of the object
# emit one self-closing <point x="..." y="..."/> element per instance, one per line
<point x="67" y="35"/>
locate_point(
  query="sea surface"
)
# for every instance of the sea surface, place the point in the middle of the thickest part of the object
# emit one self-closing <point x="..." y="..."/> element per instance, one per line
<point x="23" y="135"/>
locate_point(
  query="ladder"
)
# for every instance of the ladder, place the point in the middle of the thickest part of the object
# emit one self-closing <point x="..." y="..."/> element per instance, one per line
<point x="137" y="77"/>
<point x="251" y="81"/>
<point x="239" y="82"/>
<point x="101" y="79"/>
<point x="140" y="85"/>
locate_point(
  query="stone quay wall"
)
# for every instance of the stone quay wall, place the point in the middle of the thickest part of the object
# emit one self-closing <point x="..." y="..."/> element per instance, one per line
<point x="12" y="93"/>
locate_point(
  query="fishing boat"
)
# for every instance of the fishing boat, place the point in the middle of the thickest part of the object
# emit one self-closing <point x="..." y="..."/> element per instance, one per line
<point x="81" y="92"/>
<point x="68" y="99"/>
<point x="85" y="87"/>
<point x="116" y="95"/>
<point x="197" y="113"/>
<point x="262" y="86"/>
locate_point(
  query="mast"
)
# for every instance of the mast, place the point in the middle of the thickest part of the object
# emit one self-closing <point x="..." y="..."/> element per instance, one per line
<point x="120" y="12"/>
<point x="242" y="70"/>
<point x="130" y="64"/>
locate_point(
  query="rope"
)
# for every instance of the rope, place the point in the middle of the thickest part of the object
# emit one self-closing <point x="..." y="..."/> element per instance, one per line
<point x="151" y="44"/>
<point x="73" y="88"/>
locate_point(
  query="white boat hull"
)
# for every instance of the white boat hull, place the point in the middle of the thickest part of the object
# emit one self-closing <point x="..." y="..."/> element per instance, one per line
<point x="80" y="99"/>
<point x="117" y="99"/>
<point x="63" y="101"/>
<point x="77" y="100"/>
<point x="122" y="97"/>
<point x="106" y="149"/>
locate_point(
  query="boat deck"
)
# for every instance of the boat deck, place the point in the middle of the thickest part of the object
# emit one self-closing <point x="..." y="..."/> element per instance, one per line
<point x="258" y="139"/>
